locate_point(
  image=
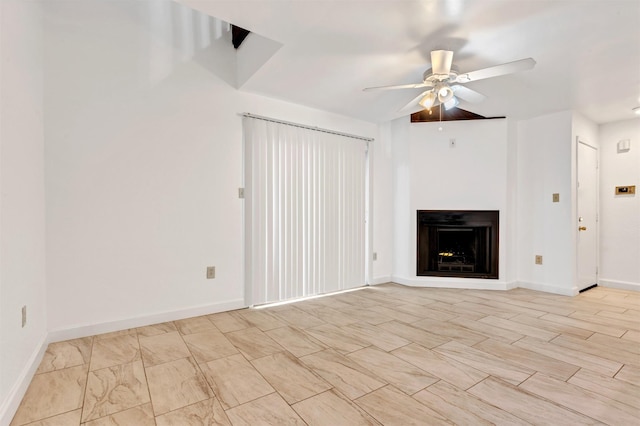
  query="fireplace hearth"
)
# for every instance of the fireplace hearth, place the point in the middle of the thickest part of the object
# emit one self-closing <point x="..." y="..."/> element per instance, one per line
<point x="458" y="243"/>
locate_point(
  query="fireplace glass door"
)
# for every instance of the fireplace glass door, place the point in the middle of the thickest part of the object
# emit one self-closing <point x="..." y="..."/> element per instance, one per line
<point x="458" y="244"/>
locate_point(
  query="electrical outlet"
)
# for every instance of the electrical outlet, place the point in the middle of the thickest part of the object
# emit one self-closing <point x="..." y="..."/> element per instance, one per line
<point x="24" y="316"/>
<point x="538" y="259"/>
<point x="556" y="198"/>
<point x="211" y="272"/>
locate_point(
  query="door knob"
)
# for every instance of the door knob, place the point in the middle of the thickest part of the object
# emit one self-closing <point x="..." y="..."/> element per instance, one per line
<point x="582" y="228"/>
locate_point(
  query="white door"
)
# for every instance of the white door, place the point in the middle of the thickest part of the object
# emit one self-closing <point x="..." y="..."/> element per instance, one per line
<point x="587" y="215"/>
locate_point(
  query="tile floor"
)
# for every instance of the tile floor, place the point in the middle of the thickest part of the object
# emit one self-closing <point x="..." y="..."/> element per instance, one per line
<point x="388" y="354"/>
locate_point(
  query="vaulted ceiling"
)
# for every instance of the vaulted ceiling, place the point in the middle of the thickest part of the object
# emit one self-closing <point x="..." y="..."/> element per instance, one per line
<point x="587" y="52"/>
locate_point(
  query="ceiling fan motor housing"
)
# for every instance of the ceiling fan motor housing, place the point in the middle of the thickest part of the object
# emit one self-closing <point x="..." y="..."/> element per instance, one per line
<point x="430" y="77"/>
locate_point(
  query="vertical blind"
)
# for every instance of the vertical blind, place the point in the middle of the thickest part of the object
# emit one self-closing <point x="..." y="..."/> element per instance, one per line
<point x="305" y="211"/>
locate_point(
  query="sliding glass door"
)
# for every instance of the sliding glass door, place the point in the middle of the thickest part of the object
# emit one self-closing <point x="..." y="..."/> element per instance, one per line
<point x="305" y="211"/>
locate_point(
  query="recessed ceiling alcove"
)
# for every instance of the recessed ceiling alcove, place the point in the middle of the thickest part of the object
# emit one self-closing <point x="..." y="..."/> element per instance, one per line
<point x="453" y="114"/>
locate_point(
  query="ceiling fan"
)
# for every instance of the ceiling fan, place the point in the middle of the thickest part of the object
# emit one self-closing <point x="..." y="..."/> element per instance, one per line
<point x="444" y="82"/>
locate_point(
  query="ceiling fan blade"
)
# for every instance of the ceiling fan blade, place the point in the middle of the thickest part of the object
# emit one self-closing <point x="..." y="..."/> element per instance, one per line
<point x="441" y="61"/>
<point x="399" y="86"/>
<point x="498" y="70"/>
<point x="467" y="94"/>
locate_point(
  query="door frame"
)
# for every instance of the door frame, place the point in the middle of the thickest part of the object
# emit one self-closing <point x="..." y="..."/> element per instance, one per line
<point x="576" y="224"/>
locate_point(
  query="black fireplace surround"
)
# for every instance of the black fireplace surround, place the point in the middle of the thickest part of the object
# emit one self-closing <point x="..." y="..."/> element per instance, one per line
<point x="458" y="243"/>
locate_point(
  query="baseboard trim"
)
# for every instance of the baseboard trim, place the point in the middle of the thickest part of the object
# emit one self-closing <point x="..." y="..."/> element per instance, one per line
<point x="11" y="403"/>
<point x="564" y="291"/>
<point x="511" y="285"/>
<point x="75" y="332"/>
<point x="588" y="288"/>
<point x="380" y="280"/>
<point x="621" y="285"/>
<point x="467" y="283"/>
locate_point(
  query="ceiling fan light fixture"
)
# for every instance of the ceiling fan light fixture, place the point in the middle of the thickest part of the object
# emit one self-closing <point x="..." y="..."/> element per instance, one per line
<point x="636" y="110"/>
<point x="428" y="100"/>
<point x="445" y="93"/>
<point x="451" y="103"/>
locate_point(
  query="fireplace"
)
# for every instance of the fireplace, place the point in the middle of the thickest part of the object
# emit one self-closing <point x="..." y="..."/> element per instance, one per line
<point x="458" y="243"/>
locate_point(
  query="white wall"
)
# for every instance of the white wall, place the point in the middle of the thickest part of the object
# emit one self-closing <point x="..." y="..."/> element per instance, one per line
<point x="383" y="173"/>
<point x="143" y="174"/>
<point x="432" y="175"/>
<point x="619" y="214"/>
<point x="544" y="166"/>
<point x="22" y="211"/>
<point x="585" y="130"/>
<point x="401" y="200"/>
<point x="511" y="227"/>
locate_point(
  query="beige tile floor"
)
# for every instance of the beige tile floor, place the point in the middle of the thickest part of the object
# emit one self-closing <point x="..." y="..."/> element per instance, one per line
<point x="388" y="354"/>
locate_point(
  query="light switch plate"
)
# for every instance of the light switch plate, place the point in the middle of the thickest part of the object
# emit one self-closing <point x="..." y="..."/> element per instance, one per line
<point x="211" y="272"/>
<point x="626" y="190"/>
<point x="556" y="198"/>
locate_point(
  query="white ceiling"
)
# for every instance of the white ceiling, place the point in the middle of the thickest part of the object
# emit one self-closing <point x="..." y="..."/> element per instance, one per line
<point x="587" y="52"/>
